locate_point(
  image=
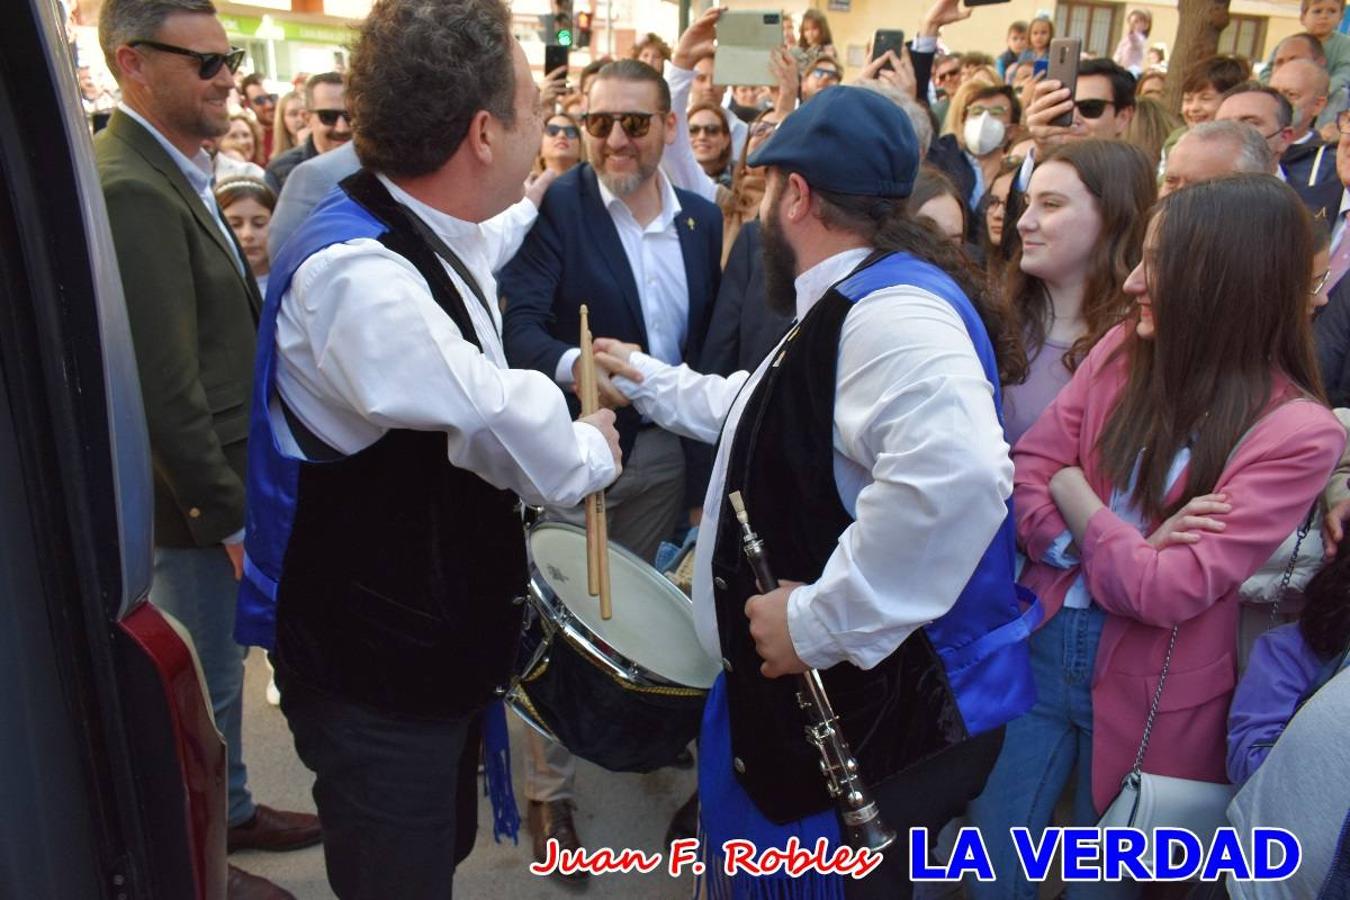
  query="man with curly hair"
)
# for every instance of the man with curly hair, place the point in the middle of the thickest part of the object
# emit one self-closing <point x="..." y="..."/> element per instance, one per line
<point x="391" y="444"/>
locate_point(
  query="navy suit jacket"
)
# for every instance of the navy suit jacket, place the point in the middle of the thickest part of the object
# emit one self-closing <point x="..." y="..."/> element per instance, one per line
<point x="1311" y="170"/>
<point x="572" y="256"/>
<point x="744" y="330"/>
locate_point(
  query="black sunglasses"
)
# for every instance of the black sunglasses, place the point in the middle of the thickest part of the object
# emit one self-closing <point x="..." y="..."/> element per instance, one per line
<point x="634" y="124"/>
<point x="262" y="100"/>
<point x="329" y="117"/>
<point x="709" y="130"/>
<point x="569" y="130"/>
<point x="210" y="63"/>
<point x="1092" y="109"/>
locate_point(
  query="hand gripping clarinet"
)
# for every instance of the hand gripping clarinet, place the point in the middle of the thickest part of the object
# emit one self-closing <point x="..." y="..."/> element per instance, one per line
<point x="862" y="819"/>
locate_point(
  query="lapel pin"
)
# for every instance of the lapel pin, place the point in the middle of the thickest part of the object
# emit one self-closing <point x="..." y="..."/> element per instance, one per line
<point x="690" y="222"/>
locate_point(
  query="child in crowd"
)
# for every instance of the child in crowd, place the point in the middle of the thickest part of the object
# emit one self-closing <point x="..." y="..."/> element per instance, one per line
<point x="1130" y="51"/>
<point x="1017" y="45"/>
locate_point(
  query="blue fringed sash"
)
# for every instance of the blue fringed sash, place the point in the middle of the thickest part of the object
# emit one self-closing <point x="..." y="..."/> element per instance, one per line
<point x="497" y="774"/>
<point x="728" y="813"/>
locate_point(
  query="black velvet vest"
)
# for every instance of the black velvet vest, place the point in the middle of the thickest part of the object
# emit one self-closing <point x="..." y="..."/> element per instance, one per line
<point x="402" y="579"/>
<point x="782" y="460"/>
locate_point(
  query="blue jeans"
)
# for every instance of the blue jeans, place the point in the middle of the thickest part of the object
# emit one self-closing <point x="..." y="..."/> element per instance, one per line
<point x="196" y="586"/>
<point x="1039" y="752"/>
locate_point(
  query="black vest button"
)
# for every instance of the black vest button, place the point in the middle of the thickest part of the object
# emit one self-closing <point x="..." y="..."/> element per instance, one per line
<point x="738" y="764"/>
<point x="720" y="583"/>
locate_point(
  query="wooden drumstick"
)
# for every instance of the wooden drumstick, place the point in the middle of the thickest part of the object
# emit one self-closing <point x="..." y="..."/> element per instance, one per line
<point x="597" y="526"/>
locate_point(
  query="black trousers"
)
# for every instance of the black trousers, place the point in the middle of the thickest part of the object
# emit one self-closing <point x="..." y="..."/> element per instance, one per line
<point x="928" y="795"/>
<point x="395" y="796"/>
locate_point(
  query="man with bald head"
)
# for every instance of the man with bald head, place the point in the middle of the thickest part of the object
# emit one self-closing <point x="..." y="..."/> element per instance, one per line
<point x="1215" y="149"/>
<point x="1306" y="47"/>
<point x="1308" y="162"/>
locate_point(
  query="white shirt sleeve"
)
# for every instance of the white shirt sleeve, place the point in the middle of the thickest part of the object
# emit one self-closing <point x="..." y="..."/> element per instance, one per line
<point x="506" y="231"/>
<point x="383" y="349"/>
<point x="913" y="408"/>
<point x="678" y="160"/>
<point x="681" y="400"/>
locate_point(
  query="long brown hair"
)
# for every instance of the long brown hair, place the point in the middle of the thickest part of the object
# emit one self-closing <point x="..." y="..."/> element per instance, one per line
<point x="1119" y="177"/>
<point x="1229" y="278"/>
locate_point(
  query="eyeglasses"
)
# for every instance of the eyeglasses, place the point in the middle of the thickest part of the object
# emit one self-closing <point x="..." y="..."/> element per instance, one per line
<point x="262" y="100"/>
<point x="822" y="74"/>
<point x="571" y="131"/>
<point x="709" y="130"/>
<point x="947" y="75"/>
<point x="760" y="129"/>
<point x="329" y="117"/>
<point x="210" y="63"/>
<point x="1092" y="109"/>
<point x="978" y="110"/>
<point x="634" y="124"/>
<point x="994" y="203"/>
<point x="1320" y="282"/>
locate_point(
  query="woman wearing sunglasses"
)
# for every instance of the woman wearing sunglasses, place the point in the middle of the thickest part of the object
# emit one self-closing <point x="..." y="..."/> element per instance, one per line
<point x="560" y="148"/>
<point x="1191" y="441"/>
<point x="710" y="139"/>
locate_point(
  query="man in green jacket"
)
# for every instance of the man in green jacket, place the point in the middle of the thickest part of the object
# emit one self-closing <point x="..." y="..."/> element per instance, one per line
<point x="193" y="308"/>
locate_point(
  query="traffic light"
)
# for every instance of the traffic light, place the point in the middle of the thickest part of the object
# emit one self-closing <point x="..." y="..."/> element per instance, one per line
<point x="582" y="38"/>
<point x="562" y="23"/>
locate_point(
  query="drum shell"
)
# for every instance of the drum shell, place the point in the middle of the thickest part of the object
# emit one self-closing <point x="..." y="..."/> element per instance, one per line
<point x="602" y="718"/>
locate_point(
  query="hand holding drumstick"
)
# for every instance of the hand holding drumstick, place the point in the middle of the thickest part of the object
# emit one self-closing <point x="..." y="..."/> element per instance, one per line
<point x="597" y="527"/>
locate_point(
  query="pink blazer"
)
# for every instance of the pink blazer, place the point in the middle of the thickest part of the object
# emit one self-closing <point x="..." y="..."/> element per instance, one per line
<point x="1277" y="471"/>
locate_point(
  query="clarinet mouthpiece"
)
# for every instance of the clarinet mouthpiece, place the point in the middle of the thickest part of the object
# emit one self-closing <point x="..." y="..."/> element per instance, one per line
<point x="738" y="505"/>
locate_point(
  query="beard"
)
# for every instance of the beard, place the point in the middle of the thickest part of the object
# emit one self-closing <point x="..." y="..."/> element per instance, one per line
<point x="623" y="185"/>
<point x="780" y="266"/>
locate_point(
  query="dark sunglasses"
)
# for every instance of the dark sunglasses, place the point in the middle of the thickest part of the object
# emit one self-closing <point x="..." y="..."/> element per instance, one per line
<point x="569" y="130"/>
<point x="1092" y="109"/>
<point x="634" y="124"/>
<point x="709" y="130"/>
<point x="821" y="73"/>
<point x="329" y="117"/>
<point x="210" y="63"/>
<point x="262" y="100"/>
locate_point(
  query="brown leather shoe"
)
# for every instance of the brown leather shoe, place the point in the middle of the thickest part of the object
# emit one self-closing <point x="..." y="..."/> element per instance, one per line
<point x="241" y="885"/>
<point x="272" y="829"/>
<point x="553" y="819"/>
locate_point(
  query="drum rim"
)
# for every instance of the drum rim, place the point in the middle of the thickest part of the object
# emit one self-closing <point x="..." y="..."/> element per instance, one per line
<point x="558" y="615"/>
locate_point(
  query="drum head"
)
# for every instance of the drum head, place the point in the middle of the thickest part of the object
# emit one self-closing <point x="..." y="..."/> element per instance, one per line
<point x="653" y="623"/>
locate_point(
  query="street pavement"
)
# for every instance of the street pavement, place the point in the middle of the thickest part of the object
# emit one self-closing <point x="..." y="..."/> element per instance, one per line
<point x="613" y="810"/>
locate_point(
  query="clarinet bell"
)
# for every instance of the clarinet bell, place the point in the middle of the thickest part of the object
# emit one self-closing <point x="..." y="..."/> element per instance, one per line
<point x="864" y="828"/>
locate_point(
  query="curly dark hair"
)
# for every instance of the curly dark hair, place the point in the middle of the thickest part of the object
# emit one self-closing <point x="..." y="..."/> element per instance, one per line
<point x="420" y="71"/>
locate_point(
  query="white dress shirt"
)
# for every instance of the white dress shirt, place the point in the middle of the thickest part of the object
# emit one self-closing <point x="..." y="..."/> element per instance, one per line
<point x="919" y="462"/>
<point x="199" y="170"/>
<point x="678" y="160"/>
<point x="657" y="263"/>
<point x="362" y="347"/>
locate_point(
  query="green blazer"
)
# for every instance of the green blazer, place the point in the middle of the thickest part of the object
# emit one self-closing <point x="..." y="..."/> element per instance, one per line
<point x="193" y="322"/>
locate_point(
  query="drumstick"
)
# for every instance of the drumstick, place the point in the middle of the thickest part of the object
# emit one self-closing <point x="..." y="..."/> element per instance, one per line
<point x="597" y="526"/>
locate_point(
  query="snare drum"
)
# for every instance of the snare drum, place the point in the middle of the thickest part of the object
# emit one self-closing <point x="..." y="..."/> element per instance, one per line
<point x="627" y="693"/>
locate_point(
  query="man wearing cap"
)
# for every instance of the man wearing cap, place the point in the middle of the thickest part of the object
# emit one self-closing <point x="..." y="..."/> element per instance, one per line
<point x="897" y="568"/>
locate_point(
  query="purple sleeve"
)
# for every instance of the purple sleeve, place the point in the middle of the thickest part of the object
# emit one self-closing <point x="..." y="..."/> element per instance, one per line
<point x="1280" y="670"/>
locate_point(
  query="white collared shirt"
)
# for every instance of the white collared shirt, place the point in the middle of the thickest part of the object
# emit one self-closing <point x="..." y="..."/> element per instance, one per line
<point x="919" y="461"/>
<point x="1338" y="232"/>
<point x="199" y="171"/>
<point x="362" y="348"/>
<point x="657" y="263"/>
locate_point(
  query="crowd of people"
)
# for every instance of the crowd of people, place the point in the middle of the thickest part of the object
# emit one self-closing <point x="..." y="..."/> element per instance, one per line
<point x="1082" y="389"/>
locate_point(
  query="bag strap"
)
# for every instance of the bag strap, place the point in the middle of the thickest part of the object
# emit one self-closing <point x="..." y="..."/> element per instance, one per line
<point x="1138" y="766"/>
<point x="1293" y="561"/>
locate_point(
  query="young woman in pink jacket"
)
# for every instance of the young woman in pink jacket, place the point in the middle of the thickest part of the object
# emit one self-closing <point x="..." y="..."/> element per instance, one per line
<point x="1191" y="441"/>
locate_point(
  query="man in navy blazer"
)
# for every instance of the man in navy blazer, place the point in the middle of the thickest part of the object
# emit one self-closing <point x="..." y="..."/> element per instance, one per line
<point x="644" y="258"/>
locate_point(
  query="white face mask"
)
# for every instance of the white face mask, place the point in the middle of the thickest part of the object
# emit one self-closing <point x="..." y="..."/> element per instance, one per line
<point x="984" y="134"/>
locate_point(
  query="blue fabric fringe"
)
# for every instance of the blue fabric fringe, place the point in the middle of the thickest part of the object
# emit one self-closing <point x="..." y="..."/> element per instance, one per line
<point x="497" y="774"/>
<point x="728" y="813"/>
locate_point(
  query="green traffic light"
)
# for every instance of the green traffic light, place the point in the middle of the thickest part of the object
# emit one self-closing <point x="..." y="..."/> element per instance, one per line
<point x="564" y="37"/>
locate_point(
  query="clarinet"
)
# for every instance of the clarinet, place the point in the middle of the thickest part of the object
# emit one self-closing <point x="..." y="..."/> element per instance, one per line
<point x="863" y="824"/>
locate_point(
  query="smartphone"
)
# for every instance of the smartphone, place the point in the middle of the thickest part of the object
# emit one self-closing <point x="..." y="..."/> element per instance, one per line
<point x="555" y="57"/>
<point x="1038" y="67"/>
<point x="892" y="39"/>
<point x="1064" y="56"/>
<point x="745" y="40"/>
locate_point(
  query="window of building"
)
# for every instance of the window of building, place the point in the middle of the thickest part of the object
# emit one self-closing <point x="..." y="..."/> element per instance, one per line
<point x="1245" y="36"/>
<point x="1097" y="25"/>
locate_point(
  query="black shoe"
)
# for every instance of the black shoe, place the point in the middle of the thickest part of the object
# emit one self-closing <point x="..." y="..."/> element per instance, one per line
<point x="684" y="824"/>
<point x="553" y="819"/>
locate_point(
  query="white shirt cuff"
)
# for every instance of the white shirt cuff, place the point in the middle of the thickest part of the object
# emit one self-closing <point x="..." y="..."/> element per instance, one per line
<point x="1060" y="553"/>
<point x="815" y="644"/>
<point x="646" y="366"/>
<point x="563" y="374"/>
<point x="595" y="450"/>
<point x="924" y="44"/>
<point x="236" y="538"/>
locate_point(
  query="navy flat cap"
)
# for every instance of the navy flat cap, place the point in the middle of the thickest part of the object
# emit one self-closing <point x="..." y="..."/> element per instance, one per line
<point x="846" y="140"/>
